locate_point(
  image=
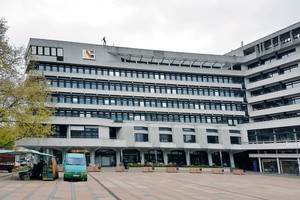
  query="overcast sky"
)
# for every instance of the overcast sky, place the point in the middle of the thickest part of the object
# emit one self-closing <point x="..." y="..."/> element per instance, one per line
<point x="199" y="26"/>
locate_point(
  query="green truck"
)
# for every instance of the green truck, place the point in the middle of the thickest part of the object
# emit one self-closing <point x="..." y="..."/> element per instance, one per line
<point x="75" y="167"/>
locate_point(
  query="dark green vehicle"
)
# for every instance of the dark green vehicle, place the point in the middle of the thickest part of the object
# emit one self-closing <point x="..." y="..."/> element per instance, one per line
<point x="75" y="167"/>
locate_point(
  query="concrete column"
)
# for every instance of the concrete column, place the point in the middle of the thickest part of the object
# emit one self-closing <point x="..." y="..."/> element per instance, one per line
<point x="272" y="44"/>
<point x="291" y="35"/>
<point x="156" y="157"/>
<point x="209" y="156"/>
<point x="92" y="157"/>
<point x="279" y="41"/>
<point x="259" y="164"/>
<point x="64" y="153"/>
<point x="263" y="47"/>
<point x="298" y="164"/>
<point x="260" y="48"/>
<point x="118" y="157"/>
<point x="165" y="157"/>
<point x="69" y="131"/>
<point x="99" y="131"/>
<point x="232" y="164"/>
<point x="256" y="50"/>
<point x="142" y="157"/>
<point x="278" y="166"/>
<point x="187" y="157"/>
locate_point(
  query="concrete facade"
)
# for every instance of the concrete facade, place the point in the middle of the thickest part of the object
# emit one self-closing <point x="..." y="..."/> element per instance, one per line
<point x="146" y="106"/>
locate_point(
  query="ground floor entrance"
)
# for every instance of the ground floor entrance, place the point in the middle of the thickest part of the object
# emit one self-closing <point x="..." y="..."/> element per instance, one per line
<point x="117" y="157"/>
<point x="276" y="163"/>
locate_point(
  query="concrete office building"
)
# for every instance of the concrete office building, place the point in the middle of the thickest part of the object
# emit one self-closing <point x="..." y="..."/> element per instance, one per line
<point x="145" y="106"/>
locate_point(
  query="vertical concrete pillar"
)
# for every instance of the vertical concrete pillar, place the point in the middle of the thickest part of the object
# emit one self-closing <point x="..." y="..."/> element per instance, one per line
<point x="165" y="157"/>
<point x="187" y="157"/>
<point x="64" y="153"/>
<point x="232" y="164"/>
<point x="259" y="164"/>
<point x="209" y="156"/>
<point x="99" y="131"/>
<point x="92" y="157"/>
<point x="260" y="48"/>
<point x="118" y="157"/>
<point x="298" y="159"/>
<point x="291" y="35"/>
<point x="278" y="166"/>
<point x="263" y="47"/>
<point x="69" y="131"/>
<point x="142" y="157"/>
<point x="272" y="44"/>
<point x="256" y="50"/>
<point x="155" y="156"/>
<point x="279" y="41"/>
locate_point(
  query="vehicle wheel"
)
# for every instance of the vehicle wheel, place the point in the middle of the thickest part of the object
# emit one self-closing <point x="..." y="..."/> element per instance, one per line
<point x="65" y="179"/>
<point x="85" y="179"/>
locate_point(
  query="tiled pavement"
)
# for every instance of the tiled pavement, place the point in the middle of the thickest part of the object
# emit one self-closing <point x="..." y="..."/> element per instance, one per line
<point x="157" y="185"/>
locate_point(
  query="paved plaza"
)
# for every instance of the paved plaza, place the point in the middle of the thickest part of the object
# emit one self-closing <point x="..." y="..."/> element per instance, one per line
<point x="158" y="185"/>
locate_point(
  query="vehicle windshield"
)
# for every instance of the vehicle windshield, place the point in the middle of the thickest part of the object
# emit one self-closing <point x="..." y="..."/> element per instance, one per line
<point x="75" y="161"/>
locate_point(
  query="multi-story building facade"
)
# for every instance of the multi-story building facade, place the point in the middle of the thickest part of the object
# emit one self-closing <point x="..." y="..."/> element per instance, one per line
<point x="145" y="106"/>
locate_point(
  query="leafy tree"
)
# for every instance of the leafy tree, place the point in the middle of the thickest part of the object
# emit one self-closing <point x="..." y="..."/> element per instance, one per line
<point x="23" y="96"/>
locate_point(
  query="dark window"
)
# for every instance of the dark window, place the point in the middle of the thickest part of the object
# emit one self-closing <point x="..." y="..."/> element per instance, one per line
<point x="84" y="132"/>
<point x="61" y="131"/>
<point x="165" y="138"/>
<point x="112" y="133"/>
<point x="189" y="138"/>
<point x="141" y="128"/>
<point x="165" y="129"/>
<point x="235" y="140"/>
<point x="234" y="131"/>
<point x="211" y="130"/>
<point x="188" y="129"/>
<point x="213" y="139"/>
<point x="141" y="137"/>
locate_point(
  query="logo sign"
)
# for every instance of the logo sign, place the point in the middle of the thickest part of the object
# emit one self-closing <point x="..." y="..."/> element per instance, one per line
<point x="88" y="54"/>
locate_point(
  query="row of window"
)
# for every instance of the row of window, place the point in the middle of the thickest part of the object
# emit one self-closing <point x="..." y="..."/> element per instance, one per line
<point x="282" y="39"/>
<point x="76" y="131"/>
<point x="277" y="117"/>
<point x="275" y="88"/>
<point x="274" y="134"/>
<point x="178" y="63"/>
<point x="146" y="103"/>
<point x="184" y="118"/>
<point x="272" y="59"/>
<point x="46" y="51"/>
<point x="142" y="137"/>
<point x="274" y="73"/>
<point x="139" y="74"/>
<point x="276" y="103"/>
<point x="128" y="87"/>
<point x="184" y="129"/>
<point x="274" y="151"/>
